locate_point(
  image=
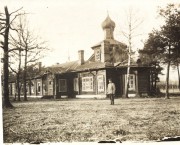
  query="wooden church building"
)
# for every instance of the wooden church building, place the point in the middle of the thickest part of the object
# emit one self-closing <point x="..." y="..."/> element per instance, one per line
<point x="88" y="79"/>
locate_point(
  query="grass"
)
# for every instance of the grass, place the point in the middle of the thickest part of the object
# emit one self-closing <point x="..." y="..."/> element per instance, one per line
<point x="81" y="120"/>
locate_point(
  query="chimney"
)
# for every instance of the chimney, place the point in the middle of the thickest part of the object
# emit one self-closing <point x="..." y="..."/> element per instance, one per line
<point x="81" y="57"/>
<point x="39" y="66"/>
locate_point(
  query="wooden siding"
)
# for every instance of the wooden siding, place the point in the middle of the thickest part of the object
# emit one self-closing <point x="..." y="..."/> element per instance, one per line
<point x="69" y="82"/>
<point x="49" y="84"/>
<point x="48" y="81"/>
<point x="144" y="81"/>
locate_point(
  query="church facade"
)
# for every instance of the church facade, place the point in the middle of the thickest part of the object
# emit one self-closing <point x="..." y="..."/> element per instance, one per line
<point x="88" y="79"/>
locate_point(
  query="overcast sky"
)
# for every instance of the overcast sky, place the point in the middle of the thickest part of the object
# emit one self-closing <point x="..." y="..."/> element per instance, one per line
<point x="72" y="25"/>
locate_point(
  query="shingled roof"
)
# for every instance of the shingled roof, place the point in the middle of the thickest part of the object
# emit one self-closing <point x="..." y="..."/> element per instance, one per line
<point x="62" y="68"/>
<point x="93" y="66"/>
<point x="134" y="63"/>
<point x="111" y="41"/>
<point x="73" y="66"/>
<point x="68" y="66"/>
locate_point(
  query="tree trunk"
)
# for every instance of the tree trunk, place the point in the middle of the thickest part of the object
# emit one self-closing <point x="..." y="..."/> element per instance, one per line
<point x="155" y="78"/>
<point x="29" y="85"/>
<point x="178" y="75"/>
<point x="18" y="87"/>
<point x="18" y="77"/>
<point x="24" y="76"/>
<point x="129" y="61"/>
<point x="7" y="102"/>
<point x="167" y="81"/>
<point x="127" y="79"/>
<point x="155" y="83"/>
<point x="167" y="75"/>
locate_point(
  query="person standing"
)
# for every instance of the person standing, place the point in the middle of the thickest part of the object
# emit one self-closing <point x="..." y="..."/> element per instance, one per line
<point x="111" y="91"/>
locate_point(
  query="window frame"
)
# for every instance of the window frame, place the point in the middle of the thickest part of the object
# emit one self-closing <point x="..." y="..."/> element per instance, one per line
<point x="87" y="84"/>
<point x="132" y="82"/>
<point x="32" y="87"/>
<point x="38" y="87"/>
<point x="76" y="84"/>
<point x="101" y="83"/>
<point x="98" y="55"/>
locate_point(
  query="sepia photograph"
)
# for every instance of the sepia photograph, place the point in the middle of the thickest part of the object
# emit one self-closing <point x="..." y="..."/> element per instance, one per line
<point x="90" y="71"/>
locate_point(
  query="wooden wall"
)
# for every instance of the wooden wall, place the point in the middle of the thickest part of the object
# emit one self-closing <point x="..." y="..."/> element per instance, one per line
<point x="69" y="80"/>
<point x="144" y="81"/>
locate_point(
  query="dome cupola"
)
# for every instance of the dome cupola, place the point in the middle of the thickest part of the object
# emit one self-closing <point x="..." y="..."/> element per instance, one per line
<point x="108" y="23"/>
<point x="108" y="27"/>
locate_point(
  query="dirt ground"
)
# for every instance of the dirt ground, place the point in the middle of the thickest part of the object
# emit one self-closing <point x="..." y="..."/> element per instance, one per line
<point x="86" y="120"/>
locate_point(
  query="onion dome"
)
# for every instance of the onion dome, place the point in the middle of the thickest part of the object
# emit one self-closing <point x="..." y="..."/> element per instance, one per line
<point x="108" y="23"/>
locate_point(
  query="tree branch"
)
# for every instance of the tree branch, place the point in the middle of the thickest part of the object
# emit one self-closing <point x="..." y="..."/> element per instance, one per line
<point x="137" y="25"/>
<point x="2" y="28"/>
<point x="13" y="29"/>
<point x="16" y="49"/>
<point x="16" y="11"/>
<point x="12" y="69"/>
<point x="14" y="18"/>
<point x="2" y="19"/>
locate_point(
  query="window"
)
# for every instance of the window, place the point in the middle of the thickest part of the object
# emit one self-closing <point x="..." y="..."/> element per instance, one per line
<point x="87" y="84"/>
<point x="50" y="86"/>
<point x="98" y="55"/>
<point x="76" y="86"/>
<point x="131" y="82"/>
<point x="38" y="87"/>
<point x="100" y="79"/>
<point x="44" y="87"/>
<point x="32" y="87"/>
<point x="50" y="82"/>
<point x="13" y="88"/>
<point x="62" y="85"/>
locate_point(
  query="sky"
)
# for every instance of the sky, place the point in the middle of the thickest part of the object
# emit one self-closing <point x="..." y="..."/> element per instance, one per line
<point x="72" y="25"/>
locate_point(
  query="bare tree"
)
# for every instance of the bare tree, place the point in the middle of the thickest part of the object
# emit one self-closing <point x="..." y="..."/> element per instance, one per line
<point x="5" y="26"/>
<point x="133" y="22"/>
<point x="16" y="57"/>
<point x="33" y="48"/>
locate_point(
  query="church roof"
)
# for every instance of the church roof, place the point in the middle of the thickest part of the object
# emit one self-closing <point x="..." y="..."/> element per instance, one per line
<point x="108" y="23"/>
<point x="111" y="41"/>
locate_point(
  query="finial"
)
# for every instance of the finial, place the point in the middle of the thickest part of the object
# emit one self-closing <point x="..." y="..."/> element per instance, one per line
<point x="68" y="55"/>
<point x="107" y="13"/>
